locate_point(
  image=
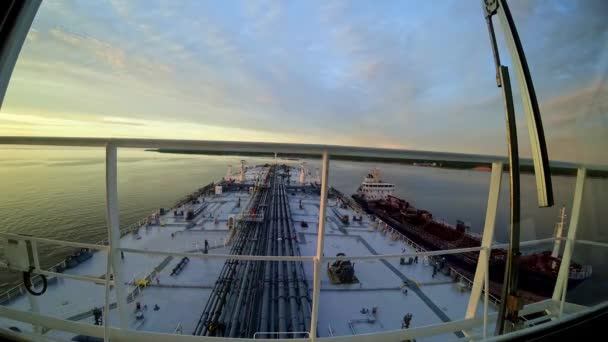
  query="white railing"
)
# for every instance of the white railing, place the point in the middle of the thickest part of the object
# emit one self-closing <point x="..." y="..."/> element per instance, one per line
<point x="278" y="333"/>
<point x="114" y="234"/>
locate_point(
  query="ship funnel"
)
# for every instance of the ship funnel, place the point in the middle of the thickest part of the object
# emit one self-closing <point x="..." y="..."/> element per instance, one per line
<point x="375" y="172"/>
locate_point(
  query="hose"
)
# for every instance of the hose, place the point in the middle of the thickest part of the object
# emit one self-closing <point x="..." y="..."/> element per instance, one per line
<point x="27" y="281"/>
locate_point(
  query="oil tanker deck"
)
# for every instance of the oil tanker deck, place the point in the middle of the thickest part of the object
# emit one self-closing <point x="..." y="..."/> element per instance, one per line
<point x="195" y="286"/>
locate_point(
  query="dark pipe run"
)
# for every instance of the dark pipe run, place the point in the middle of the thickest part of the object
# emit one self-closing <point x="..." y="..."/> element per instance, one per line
<point x="260" y="296"/>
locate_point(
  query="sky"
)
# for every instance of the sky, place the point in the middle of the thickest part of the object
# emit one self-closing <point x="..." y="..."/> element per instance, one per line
<point x="400" y="74"/>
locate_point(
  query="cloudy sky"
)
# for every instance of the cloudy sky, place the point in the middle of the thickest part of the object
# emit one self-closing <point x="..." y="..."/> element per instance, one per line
<point x="403" y="74"/>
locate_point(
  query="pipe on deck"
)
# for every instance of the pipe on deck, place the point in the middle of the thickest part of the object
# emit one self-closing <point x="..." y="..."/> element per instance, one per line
<point x="237" y="306"/>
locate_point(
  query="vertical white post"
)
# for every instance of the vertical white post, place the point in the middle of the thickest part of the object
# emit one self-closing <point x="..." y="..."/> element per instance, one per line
<point x="33" y="300"/>
<point x="35" y="308"/>
<point x="319" y="257"/>
<point x="106" y="300"/>
<point x="35" y="255"/>
<point x="486" y="296"/>
<point x="113" y="219"/>
<point x="561" y="283"/>
<point x="486" y="241"/>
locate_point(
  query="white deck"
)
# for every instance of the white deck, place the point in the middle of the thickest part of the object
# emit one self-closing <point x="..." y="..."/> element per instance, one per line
<point x="181" y="298"/>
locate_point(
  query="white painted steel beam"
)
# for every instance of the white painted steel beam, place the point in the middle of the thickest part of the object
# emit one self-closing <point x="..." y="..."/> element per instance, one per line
<point x="35" y="308"/>
<point x="320" y="243"/>
<point x="118" y="334"/>
<point x="486" y="240"/>
<point x="72" y="276"/>
<point x="561" y="284"/>
<point x="33" y="300"/>
<point x="242" y="146"/>
<point x="526" y="243"/>
<point x="106" y="299"/>
<point x="113" y="220"/>
<point x="54" y="242"/>
<point x="486" y="296"/>
<point x="592" y="243"/>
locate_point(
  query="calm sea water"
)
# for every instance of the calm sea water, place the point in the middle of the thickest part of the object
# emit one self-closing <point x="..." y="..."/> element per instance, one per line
<point x="59" y="193"/>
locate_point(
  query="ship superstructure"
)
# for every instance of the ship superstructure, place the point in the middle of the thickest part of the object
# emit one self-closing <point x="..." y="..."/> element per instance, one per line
<point x="373" y="188"/>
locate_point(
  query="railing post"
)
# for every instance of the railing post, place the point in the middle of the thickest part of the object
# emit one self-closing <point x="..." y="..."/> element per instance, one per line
<point x="320" y="239"/>
<point x="561" y="284"/>
<point x="486" y="294"/>
<point x="35" y="255"/>
<point x="106" y="298"/>
<point x="486" y="240"/>
<point x="35" y="308"/>
<point x="113" y="219"/>
<point x="482" y="269"/>
<point x="34" y="304"/>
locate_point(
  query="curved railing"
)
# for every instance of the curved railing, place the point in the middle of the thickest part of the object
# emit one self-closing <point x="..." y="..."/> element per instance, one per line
<point x="18" y="21"/>
<point x="560" y="310"/>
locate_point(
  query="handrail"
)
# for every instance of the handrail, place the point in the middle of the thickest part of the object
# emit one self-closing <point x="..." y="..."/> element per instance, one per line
<point x="54" y="242"/>
<point x="17" y="290"/>
<point x="539" y="154"/>
<point x="243" y="146"/>
<point x="292" y="333"/>
<point x="343" y="152"/>
<point x="592" y="243"/>
<point x="421" y="253"/>
<point x="138" y="225"/>
<point x="495" y="300"/>
<point x="401" y="334"/>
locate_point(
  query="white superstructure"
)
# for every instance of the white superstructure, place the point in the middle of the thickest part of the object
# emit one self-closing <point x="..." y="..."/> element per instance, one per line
<point x="373" y="188"/>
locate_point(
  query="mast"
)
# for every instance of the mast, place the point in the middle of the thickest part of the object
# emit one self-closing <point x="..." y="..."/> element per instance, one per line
<point x="303" y="172"/>
<point x="242" y="174"/>
<point x="228" y="174"/>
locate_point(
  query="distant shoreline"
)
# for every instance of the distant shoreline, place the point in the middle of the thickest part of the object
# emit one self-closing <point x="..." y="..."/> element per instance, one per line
<point x="426" y="162"/>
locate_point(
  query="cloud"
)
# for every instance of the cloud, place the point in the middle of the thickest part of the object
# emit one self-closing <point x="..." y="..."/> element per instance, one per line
<point x="122" y="121"/>
<point x="400" y="74"/>
<point x="102" y="50"/>
<point x="263" y="15"/>
<point x="121" y="7"/>
<point x="587" y="105"/>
